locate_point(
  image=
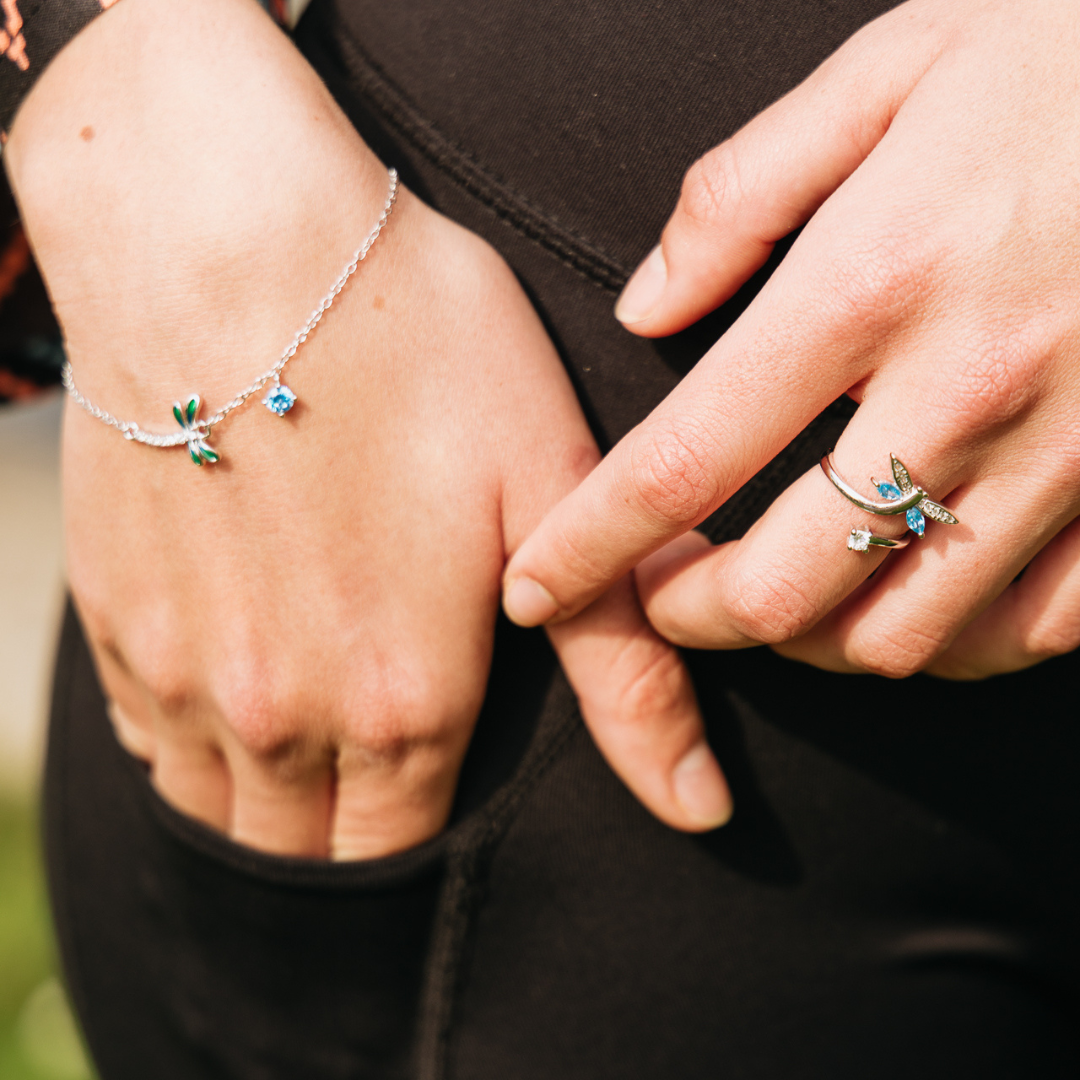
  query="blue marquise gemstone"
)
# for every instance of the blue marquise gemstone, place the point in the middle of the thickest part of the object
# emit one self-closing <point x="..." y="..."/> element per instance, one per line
<point x="280" y="400"/>
<point x="915" y="520"/>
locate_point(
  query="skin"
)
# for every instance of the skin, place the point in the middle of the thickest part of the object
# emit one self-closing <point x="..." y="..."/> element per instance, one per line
<point x="297" y="639"/>
<point x="935" y="163"/>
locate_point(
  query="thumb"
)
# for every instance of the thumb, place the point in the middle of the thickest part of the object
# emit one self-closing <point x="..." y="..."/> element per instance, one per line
<point x="639" y="704"/>
<point x="768" y="179"/>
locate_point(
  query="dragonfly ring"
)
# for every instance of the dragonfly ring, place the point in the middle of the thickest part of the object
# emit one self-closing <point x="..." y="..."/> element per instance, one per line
<point x="901" y="496"/>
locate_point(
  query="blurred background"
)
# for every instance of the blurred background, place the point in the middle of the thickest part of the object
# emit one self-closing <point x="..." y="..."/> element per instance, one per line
<point x="38" y="1038"/>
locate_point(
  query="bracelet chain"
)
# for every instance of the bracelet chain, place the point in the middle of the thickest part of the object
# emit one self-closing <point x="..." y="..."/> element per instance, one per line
<point x="195" y="431"/>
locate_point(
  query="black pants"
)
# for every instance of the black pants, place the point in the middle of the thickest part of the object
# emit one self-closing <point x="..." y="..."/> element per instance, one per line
<point x="896" y="895"/>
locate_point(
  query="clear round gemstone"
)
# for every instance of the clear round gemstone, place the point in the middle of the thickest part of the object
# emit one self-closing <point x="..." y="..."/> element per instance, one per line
<point x="859" y="540"/>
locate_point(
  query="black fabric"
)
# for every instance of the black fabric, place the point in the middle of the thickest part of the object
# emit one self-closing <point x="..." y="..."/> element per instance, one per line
<point x="892" y="899"/>
<point x="189" y="957"/>
<point x="896" y="894"/>
<point x="560" y="132"/>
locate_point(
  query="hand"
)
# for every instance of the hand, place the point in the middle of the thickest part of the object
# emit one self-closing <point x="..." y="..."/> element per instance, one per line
<point x="935" y="162"/>
<point x="297" y="639"/>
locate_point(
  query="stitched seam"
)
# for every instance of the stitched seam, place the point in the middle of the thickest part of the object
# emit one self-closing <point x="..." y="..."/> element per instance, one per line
<point x="512" y="207"/>
<point x="462" y="893"/>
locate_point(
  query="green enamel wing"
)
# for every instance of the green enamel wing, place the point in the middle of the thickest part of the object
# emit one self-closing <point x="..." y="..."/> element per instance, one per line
<point x="195" y="434"/>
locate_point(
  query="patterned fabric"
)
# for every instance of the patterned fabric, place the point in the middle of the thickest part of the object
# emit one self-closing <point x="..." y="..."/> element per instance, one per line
<point x="31" y="349"/>
<point x="32" y="32"/>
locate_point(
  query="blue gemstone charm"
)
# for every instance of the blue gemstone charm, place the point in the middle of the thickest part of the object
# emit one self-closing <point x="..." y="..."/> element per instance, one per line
<point x="902" y="497"/>
<point x="915" y="520"/>
<point x="280" y="399"/>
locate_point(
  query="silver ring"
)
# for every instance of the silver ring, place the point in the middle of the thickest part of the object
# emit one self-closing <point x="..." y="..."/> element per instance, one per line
<point x="902" y="497"/>
<point x="863" y="540"/>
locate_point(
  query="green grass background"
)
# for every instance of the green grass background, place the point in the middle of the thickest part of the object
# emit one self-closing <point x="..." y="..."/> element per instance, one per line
<point x="38" y="1039"/>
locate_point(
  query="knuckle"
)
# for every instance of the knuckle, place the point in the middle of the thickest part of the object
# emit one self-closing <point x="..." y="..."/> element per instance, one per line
<point x="142" y="647"/>
<point x="712" y="186"/>
<point x="992" y="384"/>
<point x="384" y="709"/>
<point x="405" y="705"/>
<point x="876" y="279"/>
<point x="167" y="681"/>
<point x="384" y="742"/>
<point x="658" y="683"/>
<point x="769" y="606"/>
<point x="161" y="664"/>
<point x="672" y="474"/>
<point x="257" y="708"/>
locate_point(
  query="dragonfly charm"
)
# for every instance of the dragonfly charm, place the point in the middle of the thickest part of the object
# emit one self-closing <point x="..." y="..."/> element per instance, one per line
<point x="902" y="489"/>
<point x="195" y="434"/>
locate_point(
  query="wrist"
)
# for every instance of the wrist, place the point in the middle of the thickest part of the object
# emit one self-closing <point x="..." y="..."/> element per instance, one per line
<point x="181" y="197"/>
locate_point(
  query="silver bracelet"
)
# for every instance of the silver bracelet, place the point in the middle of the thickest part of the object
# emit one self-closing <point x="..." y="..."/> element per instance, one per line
<point x="280" y="399"/>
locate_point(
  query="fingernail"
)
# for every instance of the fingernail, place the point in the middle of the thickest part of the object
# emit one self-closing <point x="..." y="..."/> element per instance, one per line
<point x="643" y="290"/>
<point x="528" y="603"/>
<point x="700" y="788"/>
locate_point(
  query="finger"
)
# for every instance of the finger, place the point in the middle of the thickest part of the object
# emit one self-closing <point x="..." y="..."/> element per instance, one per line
<point x="633" y="689"/>
<point x="128" y="707"/>
<point x="394" y="796"/>
<point x="793" y="567"/>
<point x="638" y="701"/>
<point x="191" y="775"/>
<point x="790" y="569"/>
<point x="186" y="767"/>
<point x="757" y="388"/>
<point x="768" y="179"/>
<point x="908" y="617"/>
<point x="1034" y="619"/>
<point x="135" y="736"/>
<point x="839" y="307"/>
<point x="282" y="802"/>
<point x="670" y="562"/>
